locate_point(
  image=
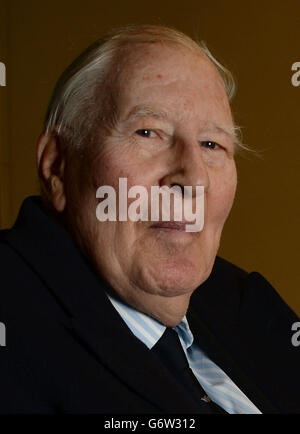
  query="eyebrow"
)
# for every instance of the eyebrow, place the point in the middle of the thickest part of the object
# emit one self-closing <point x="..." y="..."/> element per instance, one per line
<point x="234" y="132"/>
<point x="140" y="111"/>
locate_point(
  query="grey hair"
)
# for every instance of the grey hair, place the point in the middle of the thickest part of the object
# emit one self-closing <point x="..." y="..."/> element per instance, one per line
<point x="78" y="97"/>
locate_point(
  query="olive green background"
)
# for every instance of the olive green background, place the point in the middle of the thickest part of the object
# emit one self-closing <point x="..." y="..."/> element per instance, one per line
<point x="258" y="40"/>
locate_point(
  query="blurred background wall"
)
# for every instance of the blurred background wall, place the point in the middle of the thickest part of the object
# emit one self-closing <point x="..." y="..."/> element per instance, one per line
<point x="258" y="40"/>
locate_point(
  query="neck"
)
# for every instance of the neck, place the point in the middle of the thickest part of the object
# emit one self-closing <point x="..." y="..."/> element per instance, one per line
<point x="169" y="311"/>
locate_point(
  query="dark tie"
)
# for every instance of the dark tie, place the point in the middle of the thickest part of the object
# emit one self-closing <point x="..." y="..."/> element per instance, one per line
<point x="171" y="353"/>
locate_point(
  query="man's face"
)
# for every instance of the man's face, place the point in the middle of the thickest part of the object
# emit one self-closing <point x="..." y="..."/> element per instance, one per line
<point x="171" y="106"/>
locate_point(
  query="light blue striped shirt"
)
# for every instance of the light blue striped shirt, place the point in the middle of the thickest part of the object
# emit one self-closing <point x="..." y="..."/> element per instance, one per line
<point x="218" y="386"/>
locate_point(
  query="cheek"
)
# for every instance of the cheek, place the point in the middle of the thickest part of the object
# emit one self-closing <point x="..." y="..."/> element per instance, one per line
<point x="113" y="164"/>
<point x="107" y="171"/>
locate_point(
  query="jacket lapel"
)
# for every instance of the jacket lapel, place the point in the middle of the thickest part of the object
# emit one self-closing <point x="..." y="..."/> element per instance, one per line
<point x="217" y="352"/>
<point x="135" y="365"/>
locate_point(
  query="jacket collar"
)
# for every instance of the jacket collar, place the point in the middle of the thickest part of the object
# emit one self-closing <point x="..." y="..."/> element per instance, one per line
<point x="217" y="351"/>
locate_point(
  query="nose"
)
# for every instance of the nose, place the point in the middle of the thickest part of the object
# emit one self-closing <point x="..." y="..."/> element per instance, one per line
<point x="187" y="168"/>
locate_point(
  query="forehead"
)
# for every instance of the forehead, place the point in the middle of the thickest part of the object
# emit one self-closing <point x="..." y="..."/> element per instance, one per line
<point x="173" y="78"/>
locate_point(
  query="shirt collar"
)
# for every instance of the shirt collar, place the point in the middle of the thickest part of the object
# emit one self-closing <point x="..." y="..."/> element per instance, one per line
<point x="147" y="329"/>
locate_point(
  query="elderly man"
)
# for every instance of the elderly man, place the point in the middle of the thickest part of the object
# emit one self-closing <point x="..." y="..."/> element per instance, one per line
<point x="137" y="315"/>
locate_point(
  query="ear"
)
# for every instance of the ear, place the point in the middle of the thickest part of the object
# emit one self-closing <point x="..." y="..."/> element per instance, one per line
<point x="51" y="158"/>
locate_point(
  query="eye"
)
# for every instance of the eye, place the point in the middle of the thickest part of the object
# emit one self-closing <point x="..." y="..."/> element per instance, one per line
<point x="145" y="133"/>
<point x="210" y="145"/>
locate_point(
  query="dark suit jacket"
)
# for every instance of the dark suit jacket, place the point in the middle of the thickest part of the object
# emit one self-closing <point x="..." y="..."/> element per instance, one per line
<point x="68" y="350"/>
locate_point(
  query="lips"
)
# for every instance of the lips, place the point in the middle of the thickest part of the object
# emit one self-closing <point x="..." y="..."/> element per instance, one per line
<point x="171" y="226"/>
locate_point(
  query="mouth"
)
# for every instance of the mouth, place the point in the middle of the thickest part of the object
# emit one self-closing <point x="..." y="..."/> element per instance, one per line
<point x="170" y="226"/>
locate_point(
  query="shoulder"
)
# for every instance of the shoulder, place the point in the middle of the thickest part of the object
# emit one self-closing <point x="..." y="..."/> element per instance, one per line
<point x="23" y="291"/>
<point x="231" y="294"/>
<point x="223" y="287"/>
<point x="226" y="273"/>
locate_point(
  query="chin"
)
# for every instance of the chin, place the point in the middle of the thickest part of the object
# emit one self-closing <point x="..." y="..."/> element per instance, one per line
<point x="171" y="280"/>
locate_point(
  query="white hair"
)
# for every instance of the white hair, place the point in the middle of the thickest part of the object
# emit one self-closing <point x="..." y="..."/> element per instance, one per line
<point x="78" y="98"/>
